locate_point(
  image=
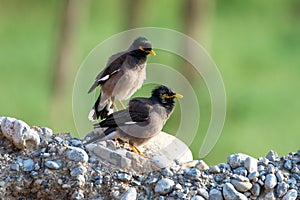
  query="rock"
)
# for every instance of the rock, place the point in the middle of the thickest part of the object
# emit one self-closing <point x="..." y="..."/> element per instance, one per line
<point x="201" y="165"/>
<point x="230" y="193"/>
<point x="282" y="189"/>
<point x="80" y="170"/>
<point x="279" y="176"/>
<point x="164" y="186"/>
<point x="77" y="154"/>
<point x="290" y="195"/>
<point x="28" y="165"/>
<point x="192" y="173"/>
<point x="197" y="198"/>
<point x="203" y="192"/>
<point x="241" y="186"/>
<point x="272" y="155"/>
<point x="236" y="160"/>
<point x="251" y="164"/>
<point x="253" y="176"/>
<point x="214" y="169"/>
<point x="288" y="164"/>
<point x="255" y="190"/>
<point x="270" y="181"/>
<point x="269" y="195"/>
<point x="124" y="176"/>
<point x="215" y="194"/>
<point x="53" y="164"/>
<point x="167" y="172"/>
<point x="19" y="133"/>
<point x="130" y="194"/>
<point x="15" y="167"/>
<point x="241" y="171"/>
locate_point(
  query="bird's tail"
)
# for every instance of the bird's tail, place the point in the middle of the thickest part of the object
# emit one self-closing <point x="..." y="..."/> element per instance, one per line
<point x="99" y="135"/>
<point x="100" y="110"/>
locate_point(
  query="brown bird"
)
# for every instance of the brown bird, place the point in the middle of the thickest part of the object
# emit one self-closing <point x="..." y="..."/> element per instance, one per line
<point x="123" y="75"/>
<point x="142" y="120"/>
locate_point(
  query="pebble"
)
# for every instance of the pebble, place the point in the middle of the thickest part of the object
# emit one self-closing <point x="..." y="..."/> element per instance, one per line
<point x="272" y="155"/>
<point x="15" y="167"/>
<point x="214" y="169"/>
<point x="197" y="198"/>
<point x="28" y="165"/>
<point x="53" y="164"/>
<point x="201" y="165"/>
<point x="253" y="176"/>
<point x="192" y="173"/>
<point x="124" y="177"/>
<point x="215" y="194"/>
<point x="77" y="154"/>
<point x="229" y="193"/>
<point x="167" y="172"/>
<point x="251" y="164"/>
<point x="203" y="192"/>
<point x="130" y="194"/>
<point x="164" y="186"/>
<point x="241" y="186"/>
<point x="80" y="170"/>
<point x="270" y="181"/>
<point x="241" y="171"/>
<point x="288" y="164"/>
<point x="281" y="189"/>
<point x="290" y="195"/>
<point x="236" y="160"/>
<point x="78" y="196"/>
<point x="279" y="176"/>
<point x="255" y="190"/>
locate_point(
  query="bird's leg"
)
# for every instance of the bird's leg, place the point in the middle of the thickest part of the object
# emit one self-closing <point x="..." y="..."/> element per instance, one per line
<point x="115" y="106"/>
<point x="137" y="151"/>
<point x="122" y="105"/>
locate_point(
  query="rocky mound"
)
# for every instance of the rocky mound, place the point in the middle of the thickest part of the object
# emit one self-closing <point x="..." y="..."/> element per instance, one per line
<point x="36" y="164"/>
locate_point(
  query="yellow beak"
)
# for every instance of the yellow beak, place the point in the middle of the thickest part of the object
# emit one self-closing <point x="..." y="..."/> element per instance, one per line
<point x="177" y="95"/>
<point x="152" y="52"/>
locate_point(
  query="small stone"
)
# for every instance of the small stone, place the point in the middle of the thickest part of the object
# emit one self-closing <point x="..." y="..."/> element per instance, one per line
<point x="271" y="169"/>
<point x="15" y="167"/>
<point x="270" y="181"/>
<point x="53" y="164"/>
<point x="80" y="170"/>
<point x="78" y="196"/>
<point x="197" y="198"/>
<point x="281" y="189"/>
<point x="65" y="186"/>
<point x="255" y="190"/>
<point x="167" y="172"/>
<point x="298" y="152"/>
<point x="251" y="164"/>
<point x="76" y="142"/>
<point x="164" y="186"/>
<point x="290" y="195"/>
<point x="218" y="178"/>
<point x="229" y="192"/>
<point x="46" y="155"/>
<point x="47" y="132"/>
<point x="59" y="139"/>
<point x="279" y="176"/>
<point x="192" y="173"/>
<point x="28" y="165"/>
<point x="253" y="176"/>
<point x="178" y="187"/>
<point x="214" y="169"/>
<point x="2" y="183"/>
<point x="269" y="195"/>
<point x="201" y="165"/>
<point x="272" y="155"/>
<point x="203" y="192"/>
<point x="130" y="194"/>
<point x="241" y="186"/>
<point x="236" y="160"/>
<point x="215" y="194"/>
<point x="124" y="177"/>
<point x="241" y="171"/>
<point x="288" y="164"/>
<point x="77" y="154"/>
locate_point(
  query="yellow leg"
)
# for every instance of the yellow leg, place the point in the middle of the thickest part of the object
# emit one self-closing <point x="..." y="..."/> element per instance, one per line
<point x="115" y="106"/>
<point x="137" y="151"/>
<point x="122" y="105"/>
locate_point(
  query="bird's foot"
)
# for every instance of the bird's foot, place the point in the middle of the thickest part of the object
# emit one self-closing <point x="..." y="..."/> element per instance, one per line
<point x="122" y="105"/>
<point x="138" y="151"/>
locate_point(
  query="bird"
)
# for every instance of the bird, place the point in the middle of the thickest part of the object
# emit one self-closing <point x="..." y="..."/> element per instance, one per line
<point x="123" y="75"/>
<point x="143" y="119"/>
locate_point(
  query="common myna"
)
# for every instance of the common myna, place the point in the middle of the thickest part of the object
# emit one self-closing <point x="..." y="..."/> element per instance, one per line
<point x="143" y="119"/>
<point x="123" y="75"/>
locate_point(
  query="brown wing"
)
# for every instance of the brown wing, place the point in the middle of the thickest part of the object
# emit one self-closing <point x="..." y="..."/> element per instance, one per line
<point x="113" y="67"/>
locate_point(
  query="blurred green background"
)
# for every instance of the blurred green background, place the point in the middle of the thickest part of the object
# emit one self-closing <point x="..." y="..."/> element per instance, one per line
<point x="255" y="44"/>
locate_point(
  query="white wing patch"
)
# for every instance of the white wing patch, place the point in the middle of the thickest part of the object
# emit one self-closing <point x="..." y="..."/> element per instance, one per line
<point x="129" y="123"/>
<point x="105" y="78"/>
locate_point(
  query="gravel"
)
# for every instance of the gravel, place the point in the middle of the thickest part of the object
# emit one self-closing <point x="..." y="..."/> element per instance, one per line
<point x="57" y="166"/>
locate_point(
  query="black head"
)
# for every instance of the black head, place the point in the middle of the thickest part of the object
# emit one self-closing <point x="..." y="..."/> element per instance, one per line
<point x="165" y="96"/>
<point x="141" y="46"/>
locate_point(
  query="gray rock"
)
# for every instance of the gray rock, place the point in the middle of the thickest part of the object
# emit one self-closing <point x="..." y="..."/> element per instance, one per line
<point x="271" y="169"/>
<point x="53" y="164"/>
<point x="124" y="177"/>
<point x="290" y="195"/>
<point x="253" y="176"/>
<point x="288" y="164"/>
<point x="270" y="181"/>
<point x="201" y="165"/>
<point x="47" y="132"/>
<point x="15" y="167"/>
<point x="28" y="165"/>
<point x="272" y="155"/>
<point x="298" y="152"/>
<point x="251" y="164"/>
<point x="236" y="160"/>
<point x="167" y="172"/>
<point x="164" y="186"/>
<point x="162" y="161"/>
<point x="77" y="154"/>
<point x="230" y="193"/>
<point x="214" y="169"/>
<point x="269" y="195"/>
<point x="78" y="196"/>
<point x="192" y="173"/>
<point x="215" y="194"/>
<point x="255" y="190"/>
<point x="281" y="189"/>
<point x="197" y="198"/>
<point x="240" y="171"/>
<point x="80" y="170"/>
<point x="130" y="194"/>
<point x="203" y="192"/>
<point x="279" y="176"/>
<point x="241" y="186"/>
